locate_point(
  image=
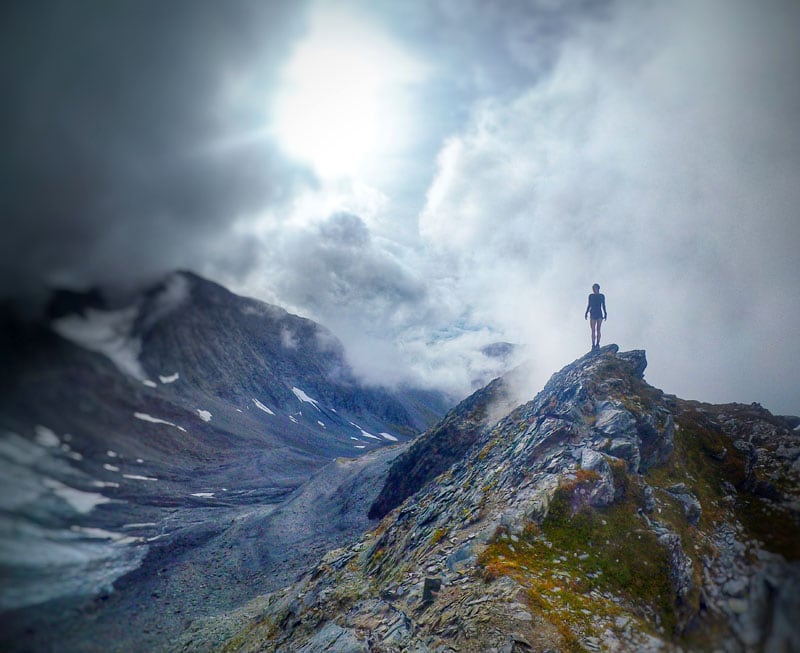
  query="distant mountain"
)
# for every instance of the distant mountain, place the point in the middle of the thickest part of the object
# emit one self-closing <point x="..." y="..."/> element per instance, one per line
<point x="124" y="424"/>
<point x="603" y="515"/>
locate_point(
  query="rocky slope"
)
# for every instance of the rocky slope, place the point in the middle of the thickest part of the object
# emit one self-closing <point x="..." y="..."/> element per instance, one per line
<point x="135" y="429"/>
<point x="601" y="515"/>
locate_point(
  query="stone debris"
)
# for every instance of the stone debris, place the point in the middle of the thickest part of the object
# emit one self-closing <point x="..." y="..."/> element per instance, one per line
<point x="475" y="560"/>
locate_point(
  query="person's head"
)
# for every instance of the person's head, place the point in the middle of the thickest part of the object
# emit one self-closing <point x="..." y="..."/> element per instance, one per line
<point x="596" y="287"/>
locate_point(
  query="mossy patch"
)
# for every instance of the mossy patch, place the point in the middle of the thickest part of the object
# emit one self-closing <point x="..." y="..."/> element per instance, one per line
<point x="438" y="536"/>
<point x="574" y="564"/>
<point x="716" y="472"/>
<point x="777" y="528"/>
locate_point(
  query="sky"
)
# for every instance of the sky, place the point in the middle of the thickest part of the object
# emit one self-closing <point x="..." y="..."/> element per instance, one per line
<point x="426" y="178"/>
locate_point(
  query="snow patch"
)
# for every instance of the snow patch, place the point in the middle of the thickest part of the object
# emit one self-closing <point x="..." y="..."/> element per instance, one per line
<point x="111" y="468"/>
<point x="136" y="477"/>
<point x="155" y="420"/>
<point x="102" y="534"/>
<point x="104" y="484"/>
<point x="45" y="437"/>
<point x="61" y="562"/>
<point x="146" y="524"/>
<point x="360" y="446"/>
<point x="80" y="501"/>
<point x="302" y="396"/>
<point x="69" y="452"/>
<point x="112" y="454"/>
<point x="262" y="407"/>
<point x="291" y="417"/>
<point x="169" y="379"/>
<point x="150" y="384"/>
<point x="322" y="424"/>
<point x="108" y="333"/>
<point x="204" y="415"/>
<point x="364" y="433"/>
<point x="388" y="436"/>
<point x="203" y="495"/>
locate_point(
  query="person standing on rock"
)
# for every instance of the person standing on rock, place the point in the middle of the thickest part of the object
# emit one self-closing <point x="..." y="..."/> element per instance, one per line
<point x="596" y="310"/>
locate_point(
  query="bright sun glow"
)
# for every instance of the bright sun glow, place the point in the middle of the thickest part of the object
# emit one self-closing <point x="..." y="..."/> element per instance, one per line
<point x="337" y="107"/>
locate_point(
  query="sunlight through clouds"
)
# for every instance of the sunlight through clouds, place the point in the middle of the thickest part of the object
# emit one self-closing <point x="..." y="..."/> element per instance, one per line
<point x="425" y="178"/>
<point x="337" y="104"/>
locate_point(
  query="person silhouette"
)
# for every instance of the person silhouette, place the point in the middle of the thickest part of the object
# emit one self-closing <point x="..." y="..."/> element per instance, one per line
<point x="596" y="309"/>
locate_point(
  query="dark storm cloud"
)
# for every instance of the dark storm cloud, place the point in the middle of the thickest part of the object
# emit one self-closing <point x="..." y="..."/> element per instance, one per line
<point x="125" y="133"/>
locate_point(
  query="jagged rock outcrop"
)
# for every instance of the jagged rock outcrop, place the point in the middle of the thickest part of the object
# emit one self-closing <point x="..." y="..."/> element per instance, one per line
<point x="438" y="448"/>
<point x="601" y="515"/>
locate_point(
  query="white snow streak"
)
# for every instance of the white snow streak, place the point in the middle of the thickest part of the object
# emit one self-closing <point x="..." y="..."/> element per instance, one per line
<point x="389" y="436"/>
<point x="104" y="484"/>
<point x="204" y="415"/>
<point x="262" y="407"/>
<point x="149" y="418"/>
<point x="169" y="379"/>
<point x="364" y="433"/>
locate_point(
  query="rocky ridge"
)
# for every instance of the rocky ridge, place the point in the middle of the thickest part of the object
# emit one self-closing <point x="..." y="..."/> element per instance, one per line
<point x="601" y="515"/>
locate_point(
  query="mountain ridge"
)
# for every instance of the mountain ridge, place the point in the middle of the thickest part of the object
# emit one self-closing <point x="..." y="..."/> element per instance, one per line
<point x="603" y="514"/>
<point x="132" y="429"/>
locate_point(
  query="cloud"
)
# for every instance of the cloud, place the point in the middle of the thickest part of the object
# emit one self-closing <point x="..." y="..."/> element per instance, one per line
<point x="335" y="270"/>
<point x="652" y="148"/>
<point x="131" y="138"/>
<point x="653" y="159"/>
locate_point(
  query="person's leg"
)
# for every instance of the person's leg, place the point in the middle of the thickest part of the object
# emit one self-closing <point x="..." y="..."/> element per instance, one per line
<point x="595" y="332"/>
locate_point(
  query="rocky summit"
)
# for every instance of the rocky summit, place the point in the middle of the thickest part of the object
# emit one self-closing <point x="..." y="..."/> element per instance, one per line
<point x="603" y="515"/>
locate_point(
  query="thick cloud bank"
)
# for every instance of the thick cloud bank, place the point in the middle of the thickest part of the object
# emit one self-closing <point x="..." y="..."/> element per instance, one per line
<point x="658" y="158"/>
<point x="507" y="156"/>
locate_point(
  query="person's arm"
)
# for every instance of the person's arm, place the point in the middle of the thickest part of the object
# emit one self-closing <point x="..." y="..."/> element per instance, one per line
<point x="588" y="305"/>
<point x="605" y="313"/>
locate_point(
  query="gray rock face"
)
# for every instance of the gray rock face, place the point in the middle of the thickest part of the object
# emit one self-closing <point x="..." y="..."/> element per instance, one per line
<point x="601" y="515"/>
<point x="134" y="433"/>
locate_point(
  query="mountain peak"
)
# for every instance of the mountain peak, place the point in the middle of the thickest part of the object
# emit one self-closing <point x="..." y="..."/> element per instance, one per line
<point x="600" y="515"/>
